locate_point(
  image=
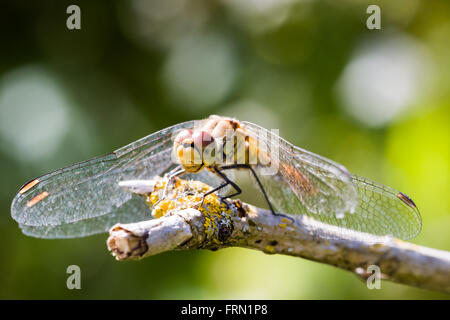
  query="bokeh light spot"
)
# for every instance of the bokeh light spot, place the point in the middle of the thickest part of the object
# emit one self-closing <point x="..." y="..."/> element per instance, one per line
<point x="200" y="70"/>
<point x="34" y="114"/>
<point x="383" y="79"/>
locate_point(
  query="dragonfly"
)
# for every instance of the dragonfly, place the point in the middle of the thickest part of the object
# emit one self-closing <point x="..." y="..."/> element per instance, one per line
<point x="89" y="197"/>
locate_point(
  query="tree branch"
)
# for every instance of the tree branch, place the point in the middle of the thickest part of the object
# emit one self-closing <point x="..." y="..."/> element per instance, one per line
<point x="185" y="225"/>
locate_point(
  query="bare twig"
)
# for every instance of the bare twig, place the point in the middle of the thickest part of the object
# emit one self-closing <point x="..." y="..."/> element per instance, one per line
<point x="186" y="225"/>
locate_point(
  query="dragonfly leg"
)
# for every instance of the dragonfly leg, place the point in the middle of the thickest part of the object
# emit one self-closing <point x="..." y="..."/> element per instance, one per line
<point x="247" y="166"/>
<point x="173" y="172"/>
<point x="212" y="191"/>
<point x="177" y="171"/>
<point x="227" y="182"/>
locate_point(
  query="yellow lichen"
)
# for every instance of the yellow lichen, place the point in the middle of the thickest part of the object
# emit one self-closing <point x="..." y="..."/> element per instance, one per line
<point x="376" y="247"/>
<point x="189" y="194"/>
<point x="269" y="249"/>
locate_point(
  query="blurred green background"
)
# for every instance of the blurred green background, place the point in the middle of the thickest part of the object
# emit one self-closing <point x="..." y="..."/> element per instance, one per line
<point x="376" y="101"/>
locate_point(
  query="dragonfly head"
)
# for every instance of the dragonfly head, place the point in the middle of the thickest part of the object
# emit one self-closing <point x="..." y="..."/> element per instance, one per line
<point x="192" y="149"/>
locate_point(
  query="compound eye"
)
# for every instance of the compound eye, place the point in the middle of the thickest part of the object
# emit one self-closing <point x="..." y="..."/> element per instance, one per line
<point x="182" y="136"/>
<point x="202" y="139"/>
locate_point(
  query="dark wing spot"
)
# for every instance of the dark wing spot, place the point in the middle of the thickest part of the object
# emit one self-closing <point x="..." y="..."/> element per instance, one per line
<point x="406" y="199"/>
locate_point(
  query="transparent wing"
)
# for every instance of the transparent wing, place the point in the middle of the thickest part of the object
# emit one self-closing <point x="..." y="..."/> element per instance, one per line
<point x="85" y="198"/>
<point x="133" y="210"/>
<point x="316" y="185"/>
<point x="311" y="185"/>
<point x="381" y="211"/>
